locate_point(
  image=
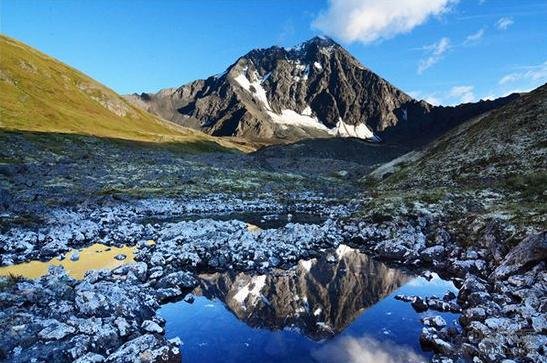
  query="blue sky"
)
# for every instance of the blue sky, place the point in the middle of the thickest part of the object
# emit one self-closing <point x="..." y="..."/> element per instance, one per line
<point x="445" y="51"/>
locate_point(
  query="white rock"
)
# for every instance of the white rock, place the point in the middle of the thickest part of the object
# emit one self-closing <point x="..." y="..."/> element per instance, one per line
<point x="56" y="330"/>
<point x="151" y="327"/>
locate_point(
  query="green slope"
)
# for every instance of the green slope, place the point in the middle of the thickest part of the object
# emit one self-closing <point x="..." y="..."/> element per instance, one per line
<point x="490" y="169"/>
<point x="507" y="144"/>
<point x="39" y="93"/>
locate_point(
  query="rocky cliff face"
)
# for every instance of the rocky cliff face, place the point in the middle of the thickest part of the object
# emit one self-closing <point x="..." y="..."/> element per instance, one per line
<point x="316" y="89"/>
<point x="321" y="298"/>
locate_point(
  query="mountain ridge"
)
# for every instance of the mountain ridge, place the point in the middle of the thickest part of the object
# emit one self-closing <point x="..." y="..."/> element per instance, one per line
<point x="317" y="89"/>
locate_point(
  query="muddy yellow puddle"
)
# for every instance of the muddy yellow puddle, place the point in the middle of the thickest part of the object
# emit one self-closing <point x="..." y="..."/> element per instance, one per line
<point x="253" y="228"/>
<point x="94" y="257"/>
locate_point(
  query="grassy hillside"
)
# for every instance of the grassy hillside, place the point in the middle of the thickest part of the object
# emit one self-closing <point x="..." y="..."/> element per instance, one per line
<point x="39" y="93"/>
<point x="491" y="168"/>
<point x="492" y="151"/>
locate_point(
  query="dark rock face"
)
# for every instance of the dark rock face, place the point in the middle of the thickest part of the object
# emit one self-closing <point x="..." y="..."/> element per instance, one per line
<point x="316" y="89"/>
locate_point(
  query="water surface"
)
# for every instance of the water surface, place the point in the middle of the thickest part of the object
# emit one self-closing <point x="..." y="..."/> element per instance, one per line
<point x="263" y="220"/>
<point x="319" y="311"/>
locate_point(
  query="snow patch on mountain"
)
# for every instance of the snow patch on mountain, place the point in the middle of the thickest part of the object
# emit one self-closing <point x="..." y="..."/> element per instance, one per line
<point x="302" y="71"/>
<point x="254" y="88"/>
<point x="360" y="131"/>
<point x="307" y="120"/>
<point x="292" y="118"/>
<point x="266" y="76"/>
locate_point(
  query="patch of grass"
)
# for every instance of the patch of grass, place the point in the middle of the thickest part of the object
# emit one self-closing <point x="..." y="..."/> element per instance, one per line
<point x="530" y="186"/>
<point x="432" y="196"/>
<point x="399" y="176"/>
<point x="525" y="213"/>
<point x="369" y="183"/>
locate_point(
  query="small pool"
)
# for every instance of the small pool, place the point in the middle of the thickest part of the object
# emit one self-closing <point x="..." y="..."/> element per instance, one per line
<point x="95" y="257"/>
<point x="261" y="220"/>
<point x="336" y="309"/>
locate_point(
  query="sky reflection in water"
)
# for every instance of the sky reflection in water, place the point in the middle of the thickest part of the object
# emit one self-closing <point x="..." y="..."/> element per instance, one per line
<point x="317" y="312"/>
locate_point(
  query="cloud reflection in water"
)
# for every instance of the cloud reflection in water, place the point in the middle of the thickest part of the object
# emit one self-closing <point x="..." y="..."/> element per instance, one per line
<point x="365" y="350"/>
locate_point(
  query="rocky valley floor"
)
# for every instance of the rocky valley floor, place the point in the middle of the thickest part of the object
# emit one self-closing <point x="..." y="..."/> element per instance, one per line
<point x="186" y="214"/>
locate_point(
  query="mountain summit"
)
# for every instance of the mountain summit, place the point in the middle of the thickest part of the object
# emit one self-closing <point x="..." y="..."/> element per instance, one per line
<point x="316" y="89"/>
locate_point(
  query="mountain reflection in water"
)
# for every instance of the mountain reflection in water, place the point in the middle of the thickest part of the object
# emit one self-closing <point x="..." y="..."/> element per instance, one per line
<point x="321" y="298"/>
<point x="337" y="308"/>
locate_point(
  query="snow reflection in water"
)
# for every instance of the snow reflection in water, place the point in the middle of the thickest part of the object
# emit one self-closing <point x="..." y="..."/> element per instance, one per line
<point x="318" y="311"/>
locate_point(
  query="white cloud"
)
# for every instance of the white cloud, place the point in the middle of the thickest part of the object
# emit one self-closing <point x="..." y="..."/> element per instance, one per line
<point x="428" y="97"/>
<point x="509" y="78"/>
<point x="435" y="51"/>
<point x="432" y="100"/>
<point x="531" y="78"/>
<point x="535" y="74"/>
<point x="524" y="79"/>
<point x="504" y="23"/>
<point x="370" y="20"/>
<point x="492" y="95"/>
<point x="363" y="350"/>
<point x="474" y="38"/>
<point x="489" y="96"/>
<point x="463" y="94"/>
<point x="453" y="96"/>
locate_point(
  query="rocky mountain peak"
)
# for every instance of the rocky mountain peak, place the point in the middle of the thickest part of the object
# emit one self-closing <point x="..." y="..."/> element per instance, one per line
<point x="315" y="44"/>
<point x="314" y="90"/>
<point x="313" y="50"/>
<point x="320" y="41"/>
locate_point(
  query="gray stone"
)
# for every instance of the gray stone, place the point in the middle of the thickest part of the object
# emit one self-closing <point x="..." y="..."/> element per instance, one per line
<point x="55" y="330"/>
<point x="419" y="304"/>
<point x="90" y="358"/>
<point x="491" y="349"/>
<point x="145" y="348"/>
<point x="533" y="249"/>
<point x="472" y="314"/>
<point x="470" y="285"/>
<point x="179" y="279"/>
<point x="122" y="325"/>
<point x="449" y="296"/>
<point x="432" y="253"/>
<point x="151" y="327"/>
<point x="436" y="322"/>
<point x="539" y="324"/>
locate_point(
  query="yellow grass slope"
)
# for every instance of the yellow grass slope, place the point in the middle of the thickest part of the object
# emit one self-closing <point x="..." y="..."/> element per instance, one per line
<point x="39" y="93"/>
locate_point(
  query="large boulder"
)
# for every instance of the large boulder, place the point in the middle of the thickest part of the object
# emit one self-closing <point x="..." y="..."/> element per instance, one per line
<point x="526" y="254"/>
<point x="146" y="348"/>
